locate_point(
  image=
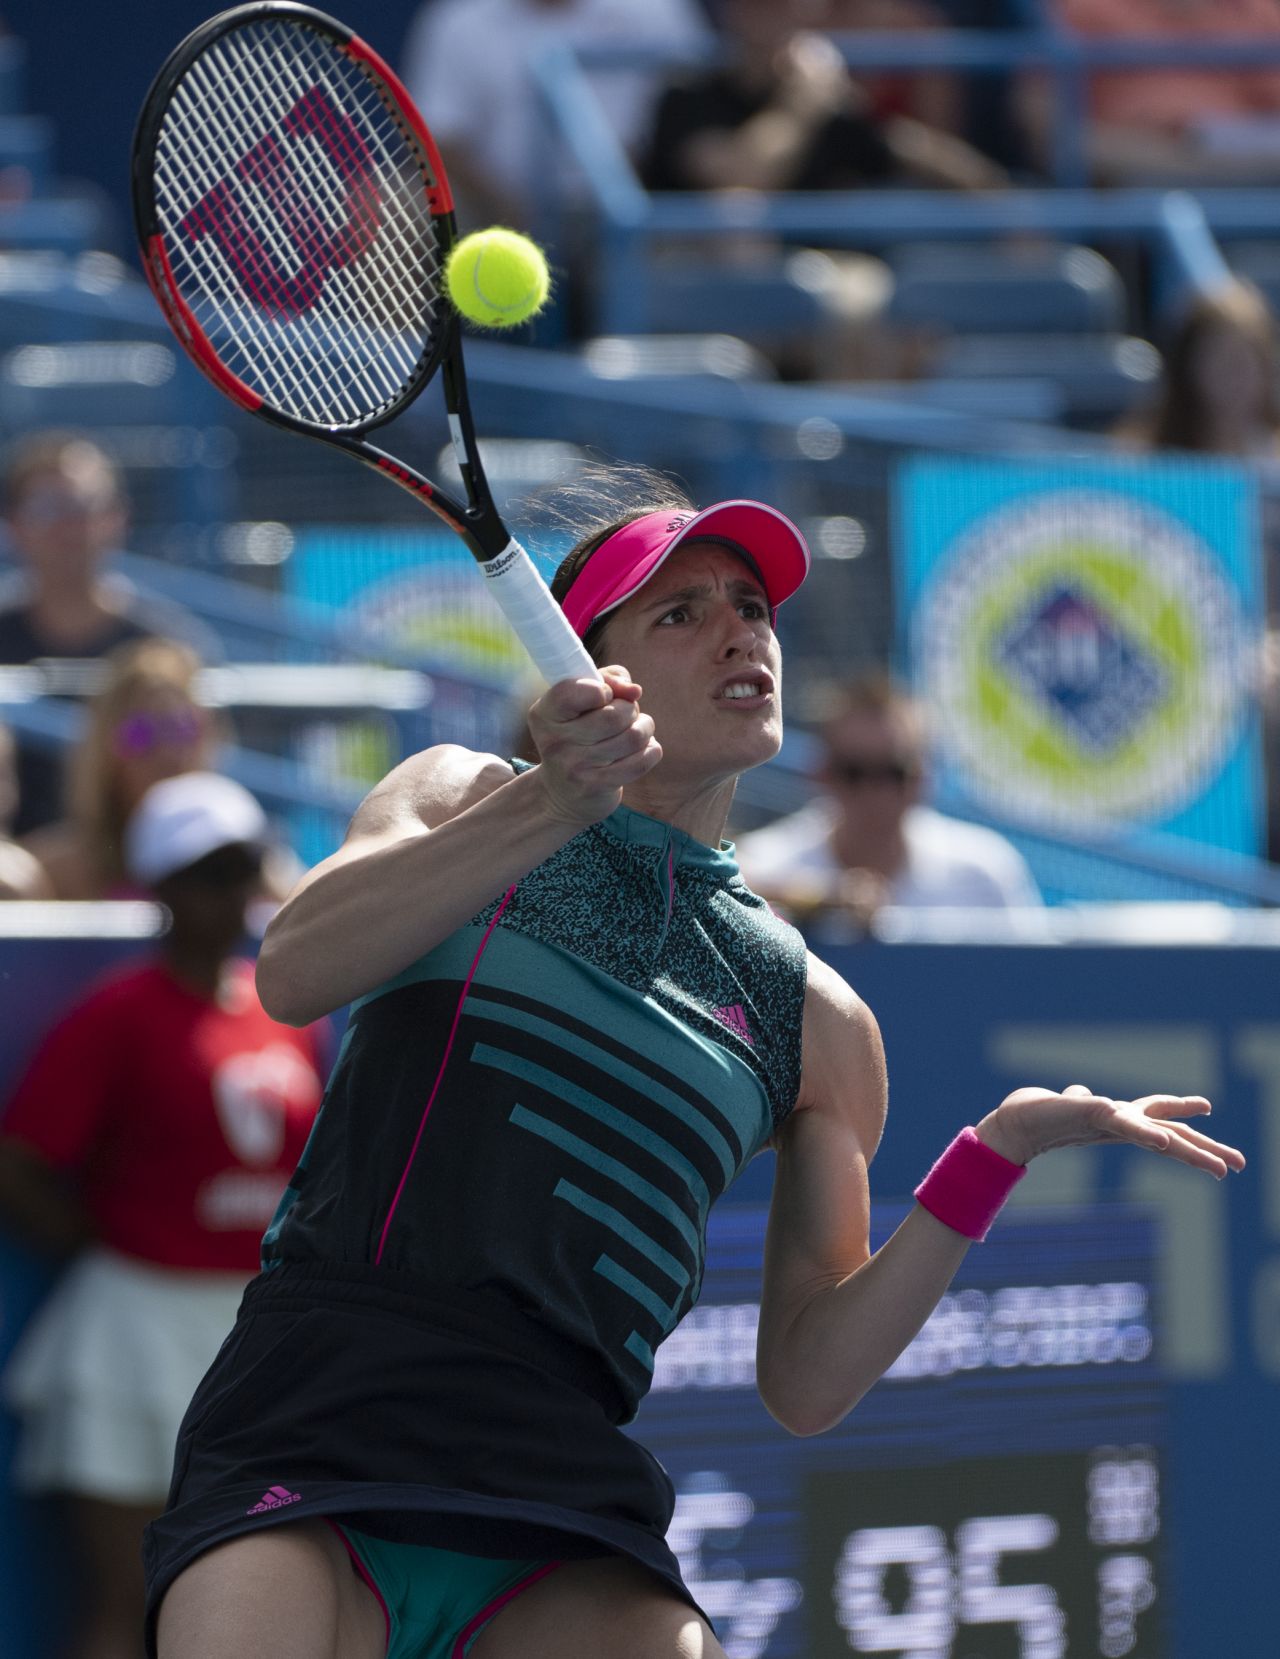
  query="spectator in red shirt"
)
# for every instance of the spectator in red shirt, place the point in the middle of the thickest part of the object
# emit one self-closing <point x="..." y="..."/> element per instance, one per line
<point x="148" y="1143"/>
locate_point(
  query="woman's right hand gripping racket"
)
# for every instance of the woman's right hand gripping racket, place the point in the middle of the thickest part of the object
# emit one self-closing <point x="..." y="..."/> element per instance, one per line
<point x="294" y="219"/>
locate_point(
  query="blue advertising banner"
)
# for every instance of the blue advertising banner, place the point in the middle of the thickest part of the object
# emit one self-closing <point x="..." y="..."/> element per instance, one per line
<point x="1085" y="637"/>
<point x="417" y="593"/>
<point x="415" y="590"/>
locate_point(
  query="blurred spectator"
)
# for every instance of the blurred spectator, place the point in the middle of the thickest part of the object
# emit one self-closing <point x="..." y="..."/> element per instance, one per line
<point x="936" y="98"/>
<point x="145" y="723"/>
<point x="1219" y="390"/>
<point x="1176" y="125"/>
<point x="783" y="113"/>
<point x="21" y="876"/>
<point x="65" y="514"/>
<point x="148" y="1142"/>
<point x="467" y="64"/>
<point x="868" y="839"/>
<point x="980" y="105"/>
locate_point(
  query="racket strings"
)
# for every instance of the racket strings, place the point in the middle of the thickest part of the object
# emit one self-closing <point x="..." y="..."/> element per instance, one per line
<point x="337" y="204"/>
<point x="223" y="292"/>
<point x="293" y="203"/>
<point x="375" y="388"/>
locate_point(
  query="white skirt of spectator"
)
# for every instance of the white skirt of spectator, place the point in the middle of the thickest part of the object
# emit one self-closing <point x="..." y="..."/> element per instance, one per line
<point x="103" y="1373"/>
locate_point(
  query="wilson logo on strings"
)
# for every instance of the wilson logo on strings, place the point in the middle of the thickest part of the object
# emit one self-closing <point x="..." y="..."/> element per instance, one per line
<point x="265" y="178"/>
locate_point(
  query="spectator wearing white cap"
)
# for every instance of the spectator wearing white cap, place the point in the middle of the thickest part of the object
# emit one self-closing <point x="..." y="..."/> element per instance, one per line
<point x="148" y="1142"/>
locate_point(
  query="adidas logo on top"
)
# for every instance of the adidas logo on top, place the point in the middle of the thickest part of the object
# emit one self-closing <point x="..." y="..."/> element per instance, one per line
<point x="734" y="1017"/>
<point x="275" y="1497"/>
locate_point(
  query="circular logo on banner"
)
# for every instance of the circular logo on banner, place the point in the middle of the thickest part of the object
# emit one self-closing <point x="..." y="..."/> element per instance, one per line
<point x="1081" y="655"/>
<point x="443" y="611"/>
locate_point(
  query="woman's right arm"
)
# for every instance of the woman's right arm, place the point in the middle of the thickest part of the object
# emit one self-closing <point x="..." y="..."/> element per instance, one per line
<point x="442" y="836"/>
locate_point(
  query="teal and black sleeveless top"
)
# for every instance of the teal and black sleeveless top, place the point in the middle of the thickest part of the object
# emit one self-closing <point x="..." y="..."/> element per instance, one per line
<point x="542" y="1110"/>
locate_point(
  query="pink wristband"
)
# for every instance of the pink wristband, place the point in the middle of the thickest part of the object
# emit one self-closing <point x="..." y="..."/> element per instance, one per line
<point x="967" y="1186"/>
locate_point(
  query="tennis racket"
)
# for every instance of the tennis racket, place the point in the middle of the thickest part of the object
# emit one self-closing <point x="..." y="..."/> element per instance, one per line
<point x="294" y="220"/>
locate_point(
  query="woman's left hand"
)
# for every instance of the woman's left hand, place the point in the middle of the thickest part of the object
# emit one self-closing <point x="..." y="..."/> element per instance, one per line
<point x="1031" y="1121"/>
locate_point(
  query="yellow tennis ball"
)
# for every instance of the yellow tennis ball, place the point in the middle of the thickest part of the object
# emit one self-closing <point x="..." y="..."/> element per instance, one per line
<point x="497" y="278"/>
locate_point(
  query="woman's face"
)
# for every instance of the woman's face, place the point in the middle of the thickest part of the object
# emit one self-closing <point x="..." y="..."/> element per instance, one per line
<point x="162" y="735"/>
<point x="66" y="521"/>
<point x="698" y="640"/>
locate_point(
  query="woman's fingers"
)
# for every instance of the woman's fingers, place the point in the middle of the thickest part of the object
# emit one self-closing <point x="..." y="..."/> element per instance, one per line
<point x="1174" y="1105"/>
<point x="1231" y="1156"/>
<point x="1176" y="1140"/>
<point x="1041" y="1120"/>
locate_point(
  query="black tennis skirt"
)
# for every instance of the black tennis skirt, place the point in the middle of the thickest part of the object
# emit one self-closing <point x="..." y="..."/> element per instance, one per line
<point x="417" y="1415"/>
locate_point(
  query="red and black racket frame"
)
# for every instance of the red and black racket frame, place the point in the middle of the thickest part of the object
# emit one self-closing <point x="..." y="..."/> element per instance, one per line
<point x="477" y="522"/>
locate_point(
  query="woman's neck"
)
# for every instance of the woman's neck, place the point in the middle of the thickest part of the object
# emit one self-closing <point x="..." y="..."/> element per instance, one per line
<point x="701" y="813"/>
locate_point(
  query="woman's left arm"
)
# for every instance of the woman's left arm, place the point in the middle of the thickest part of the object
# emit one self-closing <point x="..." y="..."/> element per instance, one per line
<point x="833" y="1316"/>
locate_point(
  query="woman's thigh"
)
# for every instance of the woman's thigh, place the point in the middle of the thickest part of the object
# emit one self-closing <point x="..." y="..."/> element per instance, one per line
<point x="288" y="1591"/>
<point x="592" y="1608"/>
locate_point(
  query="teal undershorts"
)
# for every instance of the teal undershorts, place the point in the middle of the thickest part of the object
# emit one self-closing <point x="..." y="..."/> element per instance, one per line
<point x="436" y="1603"/>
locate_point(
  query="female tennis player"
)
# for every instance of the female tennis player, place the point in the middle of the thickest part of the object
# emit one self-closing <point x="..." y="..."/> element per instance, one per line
<point x="572" y="1024"/>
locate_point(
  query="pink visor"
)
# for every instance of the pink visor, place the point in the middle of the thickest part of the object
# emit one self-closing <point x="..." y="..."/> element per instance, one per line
<point x="623" y="564"/>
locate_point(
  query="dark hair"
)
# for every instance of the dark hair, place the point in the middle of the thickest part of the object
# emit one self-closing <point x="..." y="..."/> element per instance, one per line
<point x="1179" y="421"/>
<point x="599" y="502"/>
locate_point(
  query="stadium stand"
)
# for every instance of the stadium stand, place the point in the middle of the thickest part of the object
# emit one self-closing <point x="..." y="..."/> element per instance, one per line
<point x="1040" y="337"/>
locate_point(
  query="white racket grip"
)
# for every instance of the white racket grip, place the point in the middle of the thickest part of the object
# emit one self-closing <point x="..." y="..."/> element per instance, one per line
<point x="542" y="627"/>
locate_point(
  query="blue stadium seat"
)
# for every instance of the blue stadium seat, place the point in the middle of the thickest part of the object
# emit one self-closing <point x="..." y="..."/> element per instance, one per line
<point x="93" y="383"/>
<point x="69" y="224"/>
<point x="27" y="144"/>
<point x="1099" y="376"/>
<point x="663" y="356"/>
<point x="767" y="299"/>
<point x="996" y="290"/>
<point x="51" y="296"/>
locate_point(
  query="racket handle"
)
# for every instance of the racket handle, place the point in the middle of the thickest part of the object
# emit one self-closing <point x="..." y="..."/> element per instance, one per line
<point x="540" y="624"/>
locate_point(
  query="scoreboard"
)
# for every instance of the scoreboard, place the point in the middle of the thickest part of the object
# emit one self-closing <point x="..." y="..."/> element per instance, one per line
<point x="997" y="1495"/>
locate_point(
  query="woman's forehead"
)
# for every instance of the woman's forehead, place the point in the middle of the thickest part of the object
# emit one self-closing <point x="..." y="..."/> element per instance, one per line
<point x="701" y="561"/>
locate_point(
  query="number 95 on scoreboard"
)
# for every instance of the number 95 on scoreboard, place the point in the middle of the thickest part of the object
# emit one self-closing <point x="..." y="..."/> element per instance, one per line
<point x="997" y="1495"/>
<point x="991" y="1558"/>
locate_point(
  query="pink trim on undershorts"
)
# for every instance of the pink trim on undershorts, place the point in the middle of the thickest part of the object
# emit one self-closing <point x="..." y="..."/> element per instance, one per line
<point x="435" y="1087"/>
<point x="363" y="1571"/>
<point x="459" y="1648"/>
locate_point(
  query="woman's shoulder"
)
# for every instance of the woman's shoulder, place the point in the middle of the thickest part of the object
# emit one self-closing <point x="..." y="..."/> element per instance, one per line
<point x="431" y="787"/>
<point x="64" y="852"/>
<point x="22" y="876"/>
